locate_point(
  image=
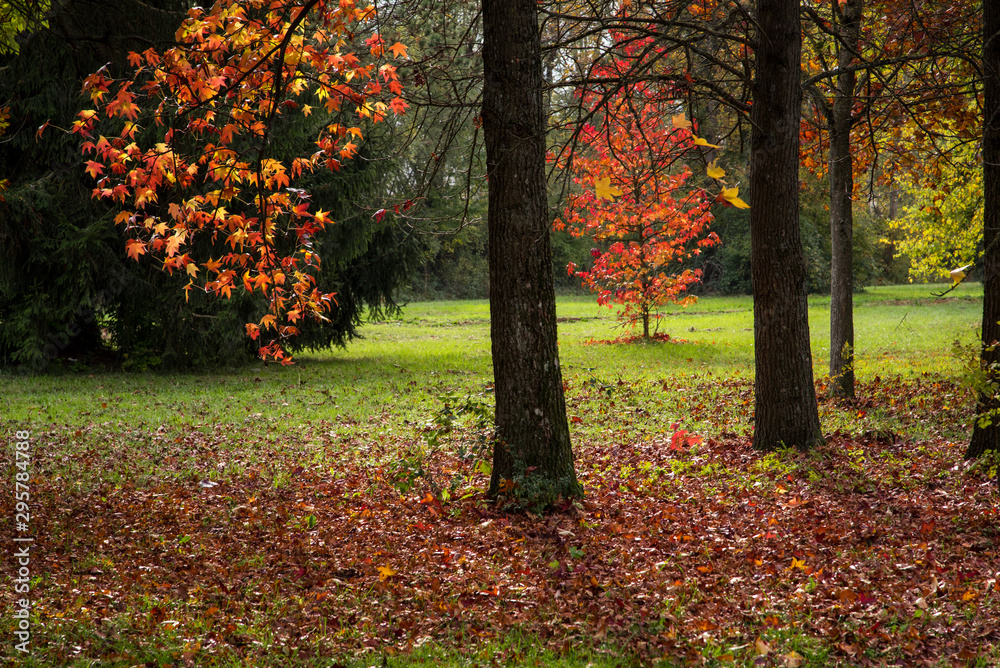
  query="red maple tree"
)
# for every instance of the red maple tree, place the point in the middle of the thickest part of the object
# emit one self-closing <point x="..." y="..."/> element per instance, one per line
<point x="635" y="200"/>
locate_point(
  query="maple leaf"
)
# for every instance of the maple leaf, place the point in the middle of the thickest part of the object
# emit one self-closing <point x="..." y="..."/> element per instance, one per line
<point x="732" y="195"/>
<point x="958" y="275"/>
<point x="680" y="122"/>
<point x="398" y="105"/>
<point x="385" y="572"/>
<point x="173" y="244"/>
<point x="792" y="660"/>
<point x="94" y="169"/>
<point x="702" y="142"/>
<point x="714" y="171"/>
<point x="398" y="50"/>
<point x="604" y="190"/>
<point x="134" y="248"/>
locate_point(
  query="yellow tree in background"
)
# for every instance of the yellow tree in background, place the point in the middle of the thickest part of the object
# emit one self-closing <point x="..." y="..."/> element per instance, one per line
<point x="942" y="228"/>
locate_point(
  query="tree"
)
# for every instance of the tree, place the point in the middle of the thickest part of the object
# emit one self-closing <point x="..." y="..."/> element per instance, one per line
<point x="986" y="429"/>
<point x="533" y="447"/>
<point x="18" y="16"/>
<point x="785" y="413"/>
<point x="714" y="33"/>
<point x="942" y="225"/>
<point x="840" y="120"/>
<point x="635" y="199"/>
<point x="213" y="175"/>
<point x="898" y="53"/>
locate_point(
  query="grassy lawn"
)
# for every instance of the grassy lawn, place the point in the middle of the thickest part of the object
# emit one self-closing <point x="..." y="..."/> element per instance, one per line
<point x="273" y="515"/>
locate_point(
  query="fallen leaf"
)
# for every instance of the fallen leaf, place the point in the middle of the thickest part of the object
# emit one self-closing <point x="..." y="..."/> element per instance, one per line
<point x="792" y="660"/>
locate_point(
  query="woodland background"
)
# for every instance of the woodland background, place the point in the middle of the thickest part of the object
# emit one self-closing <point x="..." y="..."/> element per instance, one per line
<point x="64" y="261"/>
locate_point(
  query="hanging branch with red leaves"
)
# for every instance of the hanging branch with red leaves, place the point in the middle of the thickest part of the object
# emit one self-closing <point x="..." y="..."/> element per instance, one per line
<point x="211" y="102"/>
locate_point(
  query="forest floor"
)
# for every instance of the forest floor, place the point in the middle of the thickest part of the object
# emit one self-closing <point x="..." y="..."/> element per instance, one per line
<point x="332" y="513"/>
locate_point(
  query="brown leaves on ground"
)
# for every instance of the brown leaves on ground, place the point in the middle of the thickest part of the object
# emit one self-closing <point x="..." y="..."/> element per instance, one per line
<point x="869" y="551"/>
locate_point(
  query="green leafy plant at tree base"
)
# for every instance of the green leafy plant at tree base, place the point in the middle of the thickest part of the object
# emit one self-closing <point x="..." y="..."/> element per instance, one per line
<point x="474" y="415"/>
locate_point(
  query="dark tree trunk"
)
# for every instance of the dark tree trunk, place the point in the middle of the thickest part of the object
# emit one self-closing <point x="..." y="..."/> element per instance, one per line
<point x="841" y="206"/>
<point x="533" y="448"/>
<point x="988" y="407"/>
<point x="785" y="412"/>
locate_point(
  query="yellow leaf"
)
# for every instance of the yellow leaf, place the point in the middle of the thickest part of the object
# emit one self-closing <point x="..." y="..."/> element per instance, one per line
<point x="732" y="195"/>
<point x="605" y="190"/>
<point x="191" y="268"/>
<point x="798" y="563"/>
<point x="680" y="122"/>
<point x="958" y="275"/>
<point x="762" y="647"/>
<point x="714" y="171"/>
<point x="792" y="660"/>
<point x="701" y="142"/>
<point x="385" y="572"/>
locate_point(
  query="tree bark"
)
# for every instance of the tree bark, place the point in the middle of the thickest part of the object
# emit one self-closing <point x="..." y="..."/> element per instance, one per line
<point x="987" y="437"/>
<point x="533" y="456"/>
<point x="784" y="395"/>
<point x="842" y="206"/>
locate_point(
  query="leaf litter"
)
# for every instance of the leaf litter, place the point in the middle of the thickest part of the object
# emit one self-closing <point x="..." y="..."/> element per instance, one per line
<point x="875" y="549"/>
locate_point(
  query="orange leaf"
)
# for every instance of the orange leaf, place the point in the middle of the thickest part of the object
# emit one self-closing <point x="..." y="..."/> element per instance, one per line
<point x="398" y="50"/>
<point x="134" y="248"/>
<point x="94" y="169"/>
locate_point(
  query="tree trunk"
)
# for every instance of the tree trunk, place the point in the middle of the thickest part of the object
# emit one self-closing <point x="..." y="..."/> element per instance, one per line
<point x="988" y="407"/>
<point x="841" y="207"/>
<point x="784" y="396"/>
<point x="533" y="450"/>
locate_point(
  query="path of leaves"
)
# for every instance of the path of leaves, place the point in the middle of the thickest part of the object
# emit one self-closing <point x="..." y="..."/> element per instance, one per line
<point x="875" y="550"/>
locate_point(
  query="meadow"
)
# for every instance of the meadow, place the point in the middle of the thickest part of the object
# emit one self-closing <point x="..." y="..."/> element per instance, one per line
<point x="331" y="512"/>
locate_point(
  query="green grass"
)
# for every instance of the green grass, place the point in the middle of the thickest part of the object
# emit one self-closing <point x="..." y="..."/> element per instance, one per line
<point x="396" y="372"/>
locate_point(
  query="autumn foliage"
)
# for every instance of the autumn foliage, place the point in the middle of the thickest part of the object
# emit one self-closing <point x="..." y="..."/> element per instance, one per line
<point x="636" y="200"/>
<point x="914" y="96"/>
<point x="183" y="144"/>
